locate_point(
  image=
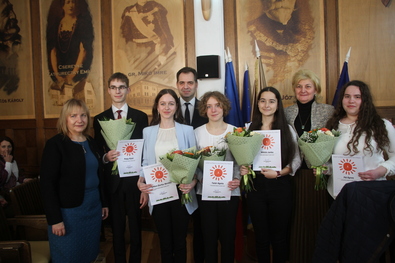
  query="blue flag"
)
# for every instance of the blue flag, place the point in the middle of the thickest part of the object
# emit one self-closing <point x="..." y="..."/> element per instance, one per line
<point x="246" y="106"/>
<point x="344" y="78"/>
<point x="234" y="117"/>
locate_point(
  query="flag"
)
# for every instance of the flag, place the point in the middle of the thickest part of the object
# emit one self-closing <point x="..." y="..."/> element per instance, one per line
<point x="260" y="80"/>
<point x="343" y="79"/>
<point x="246" y="106"/>
<point x="231" y="92"/>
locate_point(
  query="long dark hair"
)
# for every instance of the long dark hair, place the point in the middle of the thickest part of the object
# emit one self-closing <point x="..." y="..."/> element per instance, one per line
<point x="279" y="123"/>
<point x="155" y="114"/>
<point x="368" y="122"/>
<point x="8" y="139"/>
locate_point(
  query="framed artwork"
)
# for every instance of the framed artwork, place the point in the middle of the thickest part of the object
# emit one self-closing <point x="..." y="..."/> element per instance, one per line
<point x="289" y="35"/>
<point x="148" y="46"/>
<point x="71" y="54"/>
<point x="16" y="67"/>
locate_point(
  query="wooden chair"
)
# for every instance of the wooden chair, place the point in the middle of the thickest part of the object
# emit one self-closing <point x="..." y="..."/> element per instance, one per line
<point x="13" y="248"/>
<point x="26" y="198"/>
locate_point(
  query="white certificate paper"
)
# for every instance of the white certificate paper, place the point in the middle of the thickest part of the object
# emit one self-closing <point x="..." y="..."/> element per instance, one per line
<point x="216" y="175"/>
<point x="269" y="156"/>
<point x="163" y="190"/>
<point x="129" y="162"/>
<point x="345" y="170"/>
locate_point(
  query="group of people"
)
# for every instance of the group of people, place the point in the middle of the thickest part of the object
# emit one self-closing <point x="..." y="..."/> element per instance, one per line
<point x="79" y="190"/>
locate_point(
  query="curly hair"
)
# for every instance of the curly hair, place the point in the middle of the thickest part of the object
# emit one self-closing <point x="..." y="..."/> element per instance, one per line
<point x="155" y="114"/>
<point x="288" y="148"/>
<point x="369" y="121"/>
<point x="223" y="101"/>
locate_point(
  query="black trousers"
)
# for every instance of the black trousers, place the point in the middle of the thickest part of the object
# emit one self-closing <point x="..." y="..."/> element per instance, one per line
<point x="219" y="223"/>
<point x="171" y="220"/>
<point x="126" y="202"/>
<point x="270" y="208"/>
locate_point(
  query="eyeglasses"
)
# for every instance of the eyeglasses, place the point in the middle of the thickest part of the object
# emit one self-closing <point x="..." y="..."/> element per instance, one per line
<point x="118" y="88"/>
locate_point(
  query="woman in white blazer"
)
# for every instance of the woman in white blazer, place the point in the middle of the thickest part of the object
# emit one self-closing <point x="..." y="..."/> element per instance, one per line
<point x="165" y="134"/>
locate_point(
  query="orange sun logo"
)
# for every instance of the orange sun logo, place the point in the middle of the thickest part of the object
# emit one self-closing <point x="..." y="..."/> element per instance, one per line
<point x="347" y="166"/>
<point x="218" y="172"/>
<point x="268" y="142"/>
<point x="159" y="174"/>
<point x="129" y="149"/>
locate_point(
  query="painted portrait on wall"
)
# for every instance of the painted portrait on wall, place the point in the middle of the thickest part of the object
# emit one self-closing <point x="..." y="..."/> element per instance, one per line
<point x="16" y="68"/>
<point x="289" y="35"/>
<point x="72" y="57"/>
<point x="148" y="45"/>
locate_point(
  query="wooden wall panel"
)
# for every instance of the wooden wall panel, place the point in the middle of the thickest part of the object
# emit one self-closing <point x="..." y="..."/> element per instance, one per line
<point x="30" y="135"/>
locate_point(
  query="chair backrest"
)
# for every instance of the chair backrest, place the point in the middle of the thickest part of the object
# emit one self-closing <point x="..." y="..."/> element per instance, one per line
<point x="26" y="198"/>
<point x="5" y="231"/>
<point x="16" y="251"/>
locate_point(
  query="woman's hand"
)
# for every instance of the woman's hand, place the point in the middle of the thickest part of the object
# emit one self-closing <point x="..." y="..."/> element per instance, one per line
<point x="104" y="213"/>
<point x="143" y="187"/>
<point x="3" y="202"/>
<point x="112" y="156"/>
<point x="372" y="175"/>
<point x="323" y="172"/>
<point x="143" y="200"/>
<point x="8" y="158"/>
<point x="234" y="184"/>
<point x="58" y="229"/>
<point x="186" y="188"/>
<point x="269" y="173"/>
<point x="243" y="170"/>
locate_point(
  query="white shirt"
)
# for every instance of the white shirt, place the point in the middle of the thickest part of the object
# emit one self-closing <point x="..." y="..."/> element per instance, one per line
<point x="204" y="139"/>
<point x="371" y="160"/>
<point x="191" y="107"/>
<point x="12" y="168"/>
<point x="124" y="112"/>
<point x="165" y="142"/>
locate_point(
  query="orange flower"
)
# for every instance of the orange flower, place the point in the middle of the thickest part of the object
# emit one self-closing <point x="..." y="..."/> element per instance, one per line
<point x="239" y="130"/>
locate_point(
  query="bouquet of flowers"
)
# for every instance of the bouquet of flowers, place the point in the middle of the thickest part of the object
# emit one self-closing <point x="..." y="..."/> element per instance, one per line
<point x="244" y="145"/>
<point x="115" y="130"/>
<point x="181" y="166"/>
<point x="317" y="146"/>
<point x="211" y="153"/>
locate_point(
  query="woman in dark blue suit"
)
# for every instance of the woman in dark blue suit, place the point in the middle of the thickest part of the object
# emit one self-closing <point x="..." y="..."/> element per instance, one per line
<point x="165" y="134"/>
<point x="72" y="187"/>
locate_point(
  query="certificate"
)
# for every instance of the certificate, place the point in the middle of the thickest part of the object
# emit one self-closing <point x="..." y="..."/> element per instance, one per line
<point x="269" y="156"/>
<point x="345" y="170"/>
<point x="163" y="190"/>
<point x="216" y="175"/>
<point x="129" y="162"/>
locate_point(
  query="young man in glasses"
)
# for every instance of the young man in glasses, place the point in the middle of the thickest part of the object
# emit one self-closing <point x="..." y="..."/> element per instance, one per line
<point x="125" y="198"/>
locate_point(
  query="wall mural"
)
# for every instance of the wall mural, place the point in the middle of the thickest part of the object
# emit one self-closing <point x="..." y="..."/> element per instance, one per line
<point x="72" y="54"/>
<point x="16" y="68"/>
<point x="289" y="35"/>
<point x="149" y="46"/>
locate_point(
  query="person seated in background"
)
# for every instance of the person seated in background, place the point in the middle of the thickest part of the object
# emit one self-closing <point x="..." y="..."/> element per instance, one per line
<point x="9" y="172"/>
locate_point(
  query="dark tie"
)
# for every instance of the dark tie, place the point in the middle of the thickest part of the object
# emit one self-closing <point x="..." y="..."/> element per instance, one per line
<point x="187" y="114"/>
<point x="119" y="114"/>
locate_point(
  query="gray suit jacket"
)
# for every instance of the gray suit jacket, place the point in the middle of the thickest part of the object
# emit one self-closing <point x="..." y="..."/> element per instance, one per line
<point x="320" y="114"/>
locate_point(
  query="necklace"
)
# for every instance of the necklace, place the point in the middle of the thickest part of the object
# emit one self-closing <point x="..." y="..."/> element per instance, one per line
<point x="300" y="120"/>
<point x="82" y="145"/>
